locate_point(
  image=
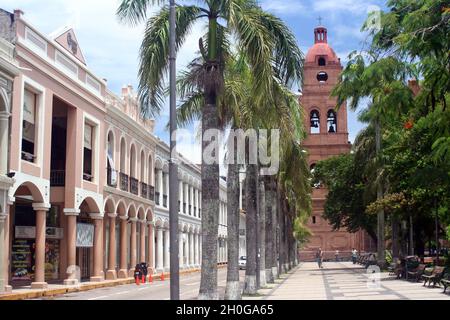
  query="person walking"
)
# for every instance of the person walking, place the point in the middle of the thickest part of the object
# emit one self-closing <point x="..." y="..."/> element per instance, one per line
<point x="319" y="257"/>
<point x="354" y="255"/>
<point x="336" y="254"/>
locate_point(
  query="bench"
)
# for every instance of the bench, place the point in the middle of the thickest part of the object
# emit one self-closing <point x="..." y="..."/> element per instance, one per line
<point x="417" y="273"/>
<point x="446" y="281"/>
<point x="435" y="277"/>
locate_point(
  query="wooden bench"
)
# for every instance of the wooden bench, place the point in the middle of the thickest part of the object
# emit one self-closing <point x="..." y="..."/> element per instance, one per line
<point x="446" y="281"/>
<point x="417" y="273"/>
<point x="435" y="277"/>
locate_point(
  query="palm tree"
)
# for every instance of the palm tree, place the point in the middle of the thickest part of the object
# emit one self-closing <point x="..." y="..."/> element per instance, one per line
<point x="237" y="109"/>
<point x="258" y="34"/>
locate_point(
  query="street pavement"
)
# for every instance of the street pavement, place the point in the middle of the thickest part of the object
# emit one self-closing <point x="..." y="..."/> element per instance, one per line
<point x="345" y="281"/>
<point x="158" y="290"/>
<point x="337" y="281"/>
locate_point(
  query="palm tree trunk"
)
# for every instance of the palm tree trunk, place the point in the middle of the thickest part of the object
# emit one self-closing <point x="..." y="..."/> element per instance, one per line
<point x="276" y="231"/>
<point x="210" y="176"/>
<point x="233" y="289"/>
<point x="270" y="248"/>
<point x="380" y="225"/>
<point x="210" y="208"/>
<point x="250" y="287"/>
<point x="282" y="248"/>
<point x="262" y="233"/>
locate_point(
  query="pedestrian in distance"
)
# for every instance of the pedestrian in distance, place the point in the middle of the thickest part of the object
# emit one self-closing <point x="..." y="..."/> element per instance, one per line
<point x="354" y="255"/>
<point x="144" y="268"/>
<point x="319" y="257"/>
<point x="138" y="274"/>
<point x="336" y="254"/>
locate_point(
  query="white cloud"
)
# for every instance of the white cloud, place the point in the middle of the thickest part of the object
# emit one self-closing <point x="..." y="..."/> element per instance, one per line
<point x="353" y="6"/>
<point x="283" y="6"/>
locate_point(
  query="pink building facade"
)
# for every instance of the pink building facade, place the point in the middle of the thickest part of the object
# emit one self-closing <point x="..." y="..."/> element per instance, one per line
<point x="77" y="166"/>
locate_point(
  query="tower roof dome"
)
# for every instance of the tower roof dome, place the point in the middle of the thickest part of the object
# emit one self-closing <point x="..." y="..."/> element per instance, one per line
<point x="321" y="47"/>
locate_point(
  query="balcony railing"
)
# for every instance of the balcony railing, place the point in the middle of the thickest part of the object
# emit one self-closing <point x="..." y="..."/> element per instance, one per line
<point x="134" y="186"/>
<point x="57" y="178"/>
<point x="165" y="201"/>
<point x="151" y="193"/>
<point x="157" y="198"/>
<point x="124" y="182"/>
<point x="112" y="177"/>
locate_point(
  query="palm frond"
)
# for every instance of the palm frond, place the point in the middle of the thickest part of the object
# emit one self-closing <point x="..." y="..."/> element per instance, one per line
<point x="135" y="11"/>
<point x="154" y="55"/>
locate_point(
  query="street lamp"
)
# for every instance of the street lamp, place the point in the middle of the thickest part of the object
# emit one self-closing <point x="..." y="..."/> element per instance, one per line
<point x="173" y="167"/>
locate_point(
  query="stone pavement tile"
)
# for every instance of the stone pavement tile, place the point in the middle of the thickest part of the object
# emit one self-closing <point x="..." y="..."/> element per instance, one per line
<point x="359" y="294"/>
<point x="371" y="297"/>
<point x="357" y="290"/>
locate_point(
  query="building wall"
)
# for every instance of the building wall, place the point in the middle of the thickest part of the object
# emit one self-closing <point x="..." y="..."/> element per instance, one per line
<point x="124" y="198"/>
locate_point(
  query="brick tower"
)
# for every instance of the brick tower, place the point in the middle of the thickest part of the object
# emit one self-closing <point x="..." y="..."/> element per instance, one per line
<point x="327" y="136"/>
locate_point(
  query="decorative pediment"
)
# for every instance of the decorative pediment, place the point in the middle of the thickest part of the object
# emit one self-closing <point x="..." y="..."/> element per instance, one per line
<point x="68" y="40"/>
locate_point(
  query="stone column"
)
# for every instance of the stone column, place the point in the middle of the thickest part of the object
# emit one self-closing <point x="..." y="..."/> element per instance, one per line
<point x="181" y="196"/>
<point x="3" y="278"/>
<point x="4" y="126"/>
<point x="98" y="248"/>
<point x="191" y="200"/>
<point x="111" y="274"/>
<point x="142" y="234"/>
<point x="196" y="250"/>
<point x="151" y="247"/>
<point x="181" y="253"/>
<point x="123" y="272"/>
<point x="199" y="202"/>
<point x="195" y="202"/>
<point x="133" y="245"/>
<point x="191" y="249"/>
<point x="167" y="190"/>
<point x="161" y="187"/>
<point x="72" y="274"/>
<point x="159" y="261"/>
<point x="166" y="250"/>
<point x="186" y="195"/>
<point x="39" y="273"/>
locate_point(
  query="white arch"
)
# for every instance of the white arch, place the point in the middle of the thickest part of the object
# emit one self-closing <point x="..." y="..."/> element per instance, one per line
<point x="5" y="98"/>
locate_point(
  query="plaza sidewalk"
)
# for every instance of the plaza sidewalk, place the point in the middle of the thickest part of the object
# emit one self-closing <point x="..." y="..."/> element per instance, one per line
<point x="344" y="281"/>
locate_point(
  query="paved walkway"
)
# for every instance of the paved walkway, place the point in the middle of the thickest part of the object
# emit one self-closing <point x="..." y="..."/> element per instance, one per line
<point x="344" y="281"/>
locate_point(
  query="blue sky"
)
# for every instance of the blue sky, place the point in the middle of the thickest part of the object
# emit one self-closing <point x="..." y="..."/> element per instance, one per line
<point x="111" y="49"/>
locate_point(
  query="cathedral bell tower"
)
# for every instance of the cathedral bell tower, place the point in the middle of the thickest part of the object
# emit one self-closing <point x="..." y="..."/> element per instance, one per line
<point x="327" y="137"/>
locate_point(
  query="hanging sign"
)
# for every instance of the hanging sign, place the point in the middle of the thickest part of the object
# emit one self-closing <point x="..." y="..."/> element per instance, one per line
<point x="85" y="235"/>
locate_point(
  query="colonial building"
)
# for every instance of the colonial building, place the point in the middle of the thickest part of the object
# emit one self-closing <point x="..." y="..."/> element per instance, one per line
<point x="328" y="136"/>
<point x="189" y="208"/>
<point x="84" y="188"/>
<point x="8" y="71"/>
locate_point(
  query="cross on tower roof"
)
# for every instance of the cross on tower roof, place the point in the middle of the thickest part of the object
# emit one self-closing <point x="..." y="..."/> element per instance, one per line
<point x="320" y="20"/>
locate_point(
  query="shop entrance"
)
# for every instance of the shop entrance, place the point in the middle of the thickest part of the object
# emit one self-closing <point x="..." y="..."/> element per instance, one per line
<point x="85" y="234"/>
<point x="23" y="238"/>
<point x="84" y="262"/>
